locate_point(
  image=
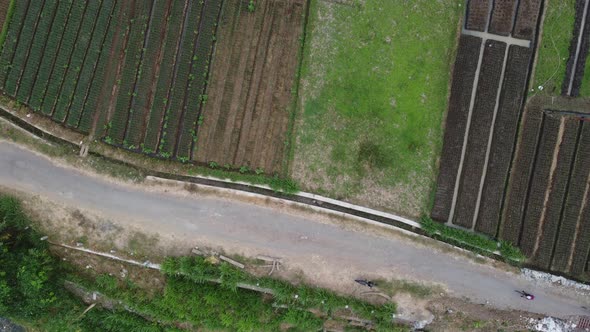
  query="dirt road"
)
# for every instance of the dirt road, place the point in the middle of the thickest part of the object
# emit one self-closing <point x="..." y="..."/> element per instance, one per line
<point x="324" y="252"/>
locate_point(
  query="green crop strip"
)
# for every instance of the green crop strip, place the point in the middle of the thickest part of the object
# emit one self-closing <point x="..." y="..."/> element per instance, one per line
<point x="32" y="293"/>
<point x="475" y="242"/>
<point x="7" y="20"/>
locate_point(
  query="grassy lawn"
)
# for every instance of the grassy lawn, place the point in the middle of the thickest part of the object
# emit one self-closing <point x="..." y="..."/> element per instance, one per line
<point x="373" y="95"/>
<point x="554" y="48"/>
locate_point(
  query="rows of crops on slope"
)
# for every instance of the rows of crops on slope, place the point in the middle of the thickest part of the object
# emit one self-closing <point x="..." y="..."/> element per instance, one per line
<point x="550" y="222"/>
<point x="574" y="203"/>
<point x="504" y="136"/>
<point x="138" y="68"/>
<point x="547" y="194"/>
<point x="477" y="148"/>
<point x="163" y="77"/>
<point x="244" y="122"/>
<point x="58" y="45"/>
<point x="479" y="131"/>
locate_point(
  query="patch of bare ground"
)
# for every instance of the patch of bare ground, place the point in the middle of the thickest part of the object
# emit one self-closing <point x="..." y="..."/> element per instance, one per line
<point x="247" y="112"/>
<point x="452" y="314"/>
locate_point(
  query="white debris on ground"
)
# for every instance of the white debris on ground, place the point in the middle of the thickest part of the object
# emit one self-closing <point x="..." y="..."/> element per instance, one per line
<point x="547" y="277"/>
<point x="550" y="324"/>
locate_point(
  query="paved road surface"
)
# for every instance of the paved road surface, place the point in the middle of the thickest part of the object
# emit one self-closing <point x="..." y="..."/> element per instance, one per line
<point x="265" y="230"/>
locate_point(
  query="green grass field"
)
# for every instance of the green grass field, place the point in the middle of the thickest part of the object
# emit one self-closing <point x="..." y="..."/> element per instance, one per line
<point x="373" y="96"/>
<point x="554" y="48"/>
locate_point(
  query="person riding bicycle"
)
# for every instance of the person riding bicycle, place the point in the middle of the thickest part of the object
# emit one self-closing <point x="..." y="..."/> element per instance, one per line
<point x="364" y="282"/>
<point x="526" y="295"/>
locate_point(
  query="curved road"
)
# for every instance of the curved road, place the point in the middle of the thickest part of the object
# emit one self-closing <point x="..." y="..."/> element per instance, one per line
<point x="318" y="248"/>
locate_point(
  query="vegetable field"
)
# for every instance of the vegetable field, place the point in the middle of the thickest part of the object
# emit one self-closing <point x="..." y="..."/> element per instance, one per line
<point x="136" y="74"/>
<point x="246" y="117"/>
<point x="487" y="93"/>
<point x="546" y="209"/>
<point x="49" y="58"/>
<point x="513" y="172"/>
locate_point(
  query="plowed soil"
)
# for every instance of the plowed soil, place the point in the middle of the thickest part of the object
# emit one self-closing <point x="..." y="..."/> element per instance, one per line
<point x="246" y="117"/>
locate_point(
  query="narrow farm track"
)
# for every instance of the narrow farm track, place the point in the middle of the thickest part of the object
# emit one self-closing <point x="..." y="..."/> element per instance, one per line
<point x="325" y="252"/>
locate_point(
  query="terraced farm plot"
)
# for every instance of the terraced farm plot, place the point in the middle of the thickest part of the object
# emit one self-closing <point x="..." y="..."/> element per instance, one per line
<point x="53" y="47"/>
<point x="545" y="211"/>
<point x="247" y="113"/>
<point x="110" y="67"/>
<point x="475" y="161"/>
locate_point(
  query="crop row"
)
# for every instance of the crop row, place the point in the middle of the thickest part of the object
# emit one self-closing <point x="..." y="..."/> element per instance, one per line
<point x="513" y="90"/>
<point x="160" y="100"/>
<point x="61" y="63"/>
<point x="98" y="99"/>
<point x="558" y="189"/>
<point x="582" y="246"/>
<point x="539" y="184"/>
<point x="10" y="44"/>
<point x="461" y="88"/>
<point x="582" y="241"/>
<point x="477" y="14"/>
<point x="35" y="99"/>
<point x="502" y="17"/>
<point x="520" y="176"/>
<point x="133" y="55"/>
<point x="77" y="60"/>
<point x="86" y="75"/>
<point x="141" y="102"/>
<point x="526" y="21"/>
<point x="180" y="83"/>
<point x="23" y="46"/>
<point x="145" y="48"/>
<point x="479" y="132"/>
<point x="199" y="73"/>
<point x="36" y="51"/>
<point x="573" y="204"/>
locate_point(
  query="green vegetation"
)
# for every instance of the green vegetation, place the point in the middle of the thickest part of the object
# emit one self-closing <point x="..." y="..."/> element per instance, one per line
<point x="475" y="242"/>
<point x="373" y="94"/>
<point x="554" y="49"/>
<point x="222" y="306"/>
<point x="4" y="31"/>
<point x="32" y="293"/>
<point x="244" y="174"/>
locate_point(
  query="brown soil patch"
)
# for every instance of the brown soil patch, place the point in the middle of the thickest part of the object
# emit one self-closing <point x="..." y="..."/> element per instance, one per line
<point x="247" y="114"/>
